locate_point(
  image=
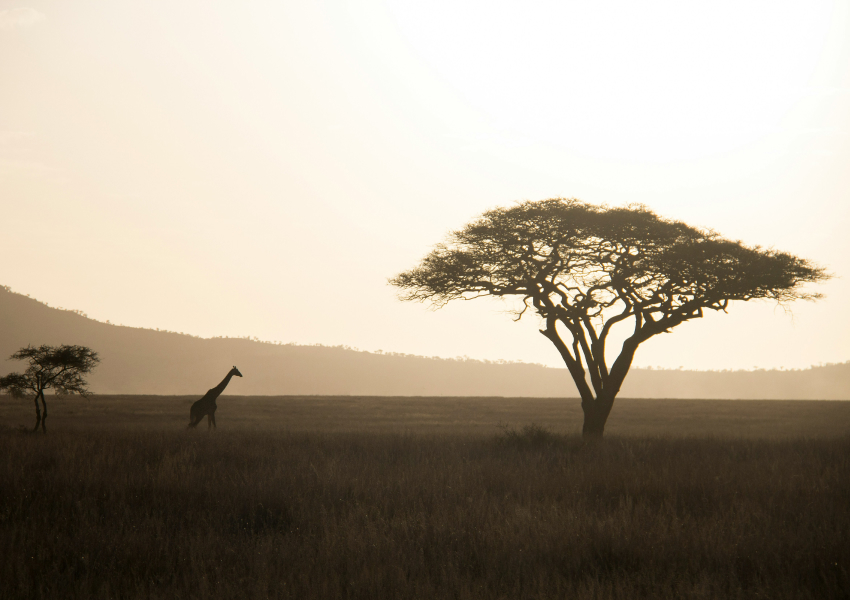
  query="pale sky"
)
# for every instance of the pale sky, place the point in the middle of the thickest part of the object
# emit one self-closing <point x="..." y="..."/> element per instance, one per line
<point x="261" y="168"/>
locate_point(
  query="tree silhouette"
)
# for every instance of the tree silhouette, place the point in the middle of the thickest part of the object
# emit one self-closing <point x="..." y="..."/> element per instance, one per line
<point x="60" y="368"/>
<point x="584" y="269"/>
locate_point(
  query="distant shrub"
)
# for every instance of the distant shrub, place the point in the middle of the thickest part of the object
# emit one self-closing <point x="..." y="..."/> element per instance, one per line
<point x="530" y="436"/>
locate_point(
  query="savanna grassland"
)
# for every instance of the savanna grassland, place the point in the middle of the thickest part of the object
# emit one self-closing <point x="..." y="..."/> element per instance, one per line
<point x="316" y="497"/>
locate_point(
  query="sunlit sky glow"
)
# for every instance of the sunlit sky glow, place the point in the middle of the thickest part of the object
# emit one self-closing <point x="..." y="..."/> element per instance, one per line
<point x="261" y="168"/>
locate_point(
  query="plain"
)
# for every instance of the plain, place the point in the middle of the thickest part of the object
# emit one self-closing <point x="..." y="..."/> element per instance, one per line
<point x="346" y="497"/>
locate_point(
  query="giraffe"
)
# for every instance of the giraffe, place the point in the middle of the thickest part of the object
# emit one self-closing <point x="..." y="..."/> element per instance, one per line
<point x="205" y="407"/>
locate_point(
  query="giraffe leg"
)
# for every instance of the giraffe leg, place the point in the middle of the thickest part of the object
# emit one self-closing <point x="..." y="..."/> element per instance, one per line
<point x="196" y="415"/>
<point x="212" y="418"/>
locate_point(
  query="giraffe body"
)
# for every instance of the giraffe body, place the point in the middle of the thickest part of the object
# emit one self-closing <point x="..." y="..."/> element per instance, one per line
<point x="205" y="407"/>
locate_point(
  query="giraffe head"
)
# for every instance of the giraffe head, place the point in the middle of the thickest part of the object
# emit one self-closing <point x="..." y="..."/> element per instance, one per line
<point x="236" y="372"/>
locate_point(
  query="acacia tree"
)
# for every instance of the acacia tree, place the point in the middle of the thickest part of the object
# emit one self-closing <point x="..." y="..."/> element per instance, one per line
<point x="60" y="368"/>
<point x="585" y="269"/>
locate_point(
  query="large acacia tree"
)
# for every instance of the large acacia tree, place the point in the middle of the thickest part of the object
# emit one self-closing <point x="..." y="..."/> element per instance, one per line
<point x="585" y="269"/>
<point x="58" y="367"/>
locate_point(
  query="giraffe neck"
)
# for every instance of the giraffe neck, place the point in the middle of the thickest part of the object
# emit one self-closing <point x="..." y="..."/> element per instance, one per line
<point x="217" y="390"/>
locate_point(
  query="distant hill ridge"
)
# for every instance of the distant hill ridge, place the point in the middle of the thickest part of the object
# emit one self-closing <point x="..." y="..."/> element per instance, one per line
<point x="147" y="361"/>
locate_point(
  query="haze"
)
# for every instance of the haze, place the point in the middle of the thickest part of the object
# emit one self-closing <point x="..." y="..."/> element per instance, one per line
<point x="261" y="168"/>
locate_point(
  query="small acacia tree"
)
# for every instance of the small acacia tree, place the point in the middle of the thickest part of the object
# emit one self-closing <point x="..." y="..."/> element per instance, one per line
<point x="60" y="368"/>
<point x="584" y="269"/>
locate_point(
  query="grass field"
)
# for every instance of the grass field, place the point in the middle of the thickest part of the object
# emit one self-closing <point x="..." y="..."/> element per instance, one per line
<point x="439" y="415"/>
<point x="313" y="497"/>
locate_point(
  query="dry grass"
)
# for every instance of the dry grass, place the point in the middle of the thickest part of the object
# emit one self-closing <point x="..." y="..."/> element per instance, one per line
<point x="776" y="419"/>
<point x="457" y="512"/>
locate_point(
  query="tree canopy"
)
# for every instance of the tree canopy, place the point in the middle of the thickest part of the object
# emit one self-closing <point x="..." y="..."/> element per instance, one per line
<point x="586" y="268"/>
<point x="60" y="368"/>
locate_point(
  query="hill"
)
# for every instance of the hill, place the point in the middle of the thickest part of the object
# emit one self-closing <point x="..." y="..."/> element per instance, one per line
<point x="146" y="361"/>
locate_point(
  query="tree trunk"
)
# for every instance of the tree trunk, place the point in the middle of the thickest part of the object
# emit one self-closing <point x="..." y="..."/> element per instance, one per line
<point x="595" y="416"/>
<point x="37" y="415"/>
<point x="43" y="413"/>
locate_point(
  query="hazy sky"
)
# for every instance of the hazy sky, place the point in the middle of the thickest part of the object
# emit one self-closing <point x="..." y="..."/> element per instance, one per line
<point x="261" y="168"/>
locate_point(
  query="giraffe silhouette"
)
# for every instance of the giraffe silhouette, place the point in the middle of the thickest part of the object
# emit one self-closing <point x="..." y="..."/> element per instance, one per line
<point x="205" y="407"/>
